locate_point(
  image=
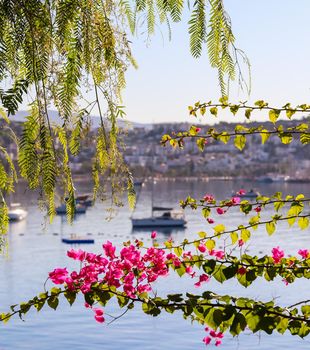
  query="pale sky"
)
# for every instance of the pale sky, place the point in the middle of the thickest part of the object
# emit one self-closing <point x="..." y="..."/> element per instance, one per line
<point x="275" y="34"/>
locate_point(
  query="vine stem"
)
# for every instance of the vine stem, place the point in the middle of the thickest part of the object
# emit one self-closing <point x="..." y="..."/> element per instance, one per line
<point x="236" y="229"/>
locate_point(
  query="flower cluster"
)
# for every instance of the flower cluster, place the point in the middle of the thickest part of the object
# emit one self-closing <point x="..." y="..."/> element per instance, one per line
<point x="277" y="255"/>
<point x="217" y="336"/>
<point x="131" y="271"/>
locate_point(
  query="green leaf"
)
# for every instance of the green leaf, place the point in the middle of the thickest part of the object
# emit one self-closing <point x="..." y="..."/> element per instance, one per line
<point x="70" y="296"/>
<point x="286" y="137"/>
<point x="282" y="325"/>
<point x="274" y="115"/>
<point x="234" y="109"/>
<point x="230" y="271"/>
<point x="206" y="212"/>
<point x="224" y="137"/>
<point x="217" y="317"/>
<point x="4" y="317"/>
<point x="303" y="223"/>
<point x="238" y="325"/>
<point x="214" y="111"/>
<point x="248" y="112"/>
<point x="252" y="321"/>
<point x="122" y="300"/>
<point x="210" y="244"/>
<point x="290" y="112"/>
<point x="261" y="104"/>
<point x="209" y="266"/>
<point x="254" y="221"/>
<point x="178" y="251"/>
<point x="245" y="235"/>
<point x="240" y="141"/>
<point x="219" y="228"/>
<point x="305" y="139"/>
<point x="234" y="237"/>
<point x="270" y="228"/>
<point x="202" y="234"/>
<point x="53" y="302"/>
<point x="219" y="275"/>
<point x="264" y="135"/>
<point x="201" y="143"/>
<point x="300" y="197"/>
<point x="55" y="291"/>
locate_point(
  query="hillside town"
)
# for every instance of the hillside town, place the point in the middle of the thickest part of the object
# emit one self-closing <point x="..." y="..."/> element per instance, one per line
<point x="271" y="162"/>
<point x="145" y="155"/>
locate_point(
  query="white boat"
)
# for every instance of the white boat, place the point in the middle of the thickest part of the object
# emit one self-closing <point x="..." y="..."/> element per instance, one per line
<point x="16" y="213"/>
<point x="249" y="194"/>
<point x="168" y="218"/>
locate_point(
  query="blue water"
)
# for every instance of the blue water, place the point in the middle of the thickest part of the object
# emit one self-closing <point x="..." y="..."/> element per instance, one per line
<point x="35" y="248"/>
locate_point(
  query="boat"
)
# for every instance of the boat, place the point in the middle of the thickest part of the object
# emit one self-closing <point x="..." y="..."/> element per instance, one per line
<point x="264" y="179"/>
<point x="16" y="212"/>
<point x="79" y="209"/>
<point x="84" y="200"/>
<point x="249" y="194"/>
<point x="75" y="239"/>
<point x="161" y="217"/>
<point x="138" y="183"/>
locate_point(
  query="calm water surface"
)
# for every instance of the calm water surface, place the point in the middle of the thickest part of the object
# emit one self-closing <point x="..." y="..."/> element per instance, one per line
<point x="35" y="248"/>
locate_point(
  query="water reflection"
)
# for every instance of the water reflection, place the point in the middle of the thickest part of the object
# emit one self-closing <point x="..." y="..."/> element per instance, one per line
<point x="40" y="250"/>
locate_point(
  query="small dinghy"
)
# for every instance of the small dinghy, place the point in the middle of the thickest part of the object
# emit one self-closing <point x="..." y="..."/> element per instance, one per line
<point x="75" y="239"/>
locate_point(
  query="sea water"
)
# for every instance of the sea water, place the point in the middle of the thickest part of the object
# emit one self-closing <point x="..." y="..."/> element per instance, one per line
<point x="35" y="248"/>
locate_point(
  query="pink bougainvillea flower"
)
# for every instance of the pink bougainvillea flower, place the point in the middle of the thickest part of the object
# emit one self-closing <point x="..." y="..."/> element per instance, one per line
<point x="153" y="234"/>
<point x="109" y="249"/>
<point x="240" y="242"/>
<point x="277" y="254"/>
<point x="58" y="276"/>
<point x="219" y="254"/>
<point x="208" y="198"/>
<point x="304" y="253"/>
<point x="235" y="200"/>
<point x="210" y="221"/>
<point x="77" y="254"/>
<point x="87" y="305"/>
<point x="220" y="335"/>
<point x="258" y="209"/>
<point x="220" y="211"/>
<point x="241" y="192"/>
<point x="99" y="319"/>
<point x="285" y="281"/>
<point x="98" y="312"/>
<point x="202" y="278"/>
<point x="213" y="333"/>
<point x="202" y="248"/>
<point x="198" y="129"/>
<point x="207" y="340"/>
<point x="177" y="262"/>
<point x="218" y="342"/>
<point x="189" y="269"/>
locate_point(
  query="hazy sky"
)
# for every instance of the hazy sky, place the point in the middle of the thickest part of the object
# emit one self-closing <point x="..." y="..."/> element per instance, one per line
<point x="275" y="34"/>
